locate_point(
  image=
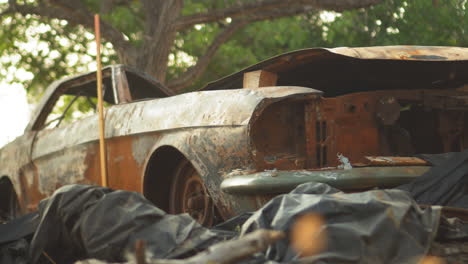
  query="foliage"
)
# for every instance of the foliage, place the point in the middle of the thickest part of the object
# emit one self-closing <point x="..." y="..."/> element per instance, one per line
<point x="394" y="22"/>
<point x="61" y="48"/>
<point x="397" y="22"/>
<point x="47" y="49"/>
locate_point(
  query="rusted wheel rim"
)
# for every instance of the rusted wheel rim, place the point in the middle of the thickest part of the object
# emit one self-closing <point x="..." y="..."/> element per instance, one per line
<point x="189" y="195"/>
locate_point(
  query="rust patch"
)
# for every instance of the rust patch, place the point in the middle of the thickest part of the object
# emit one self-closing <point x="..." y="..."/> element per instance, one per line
<point x="30" y="194"/>
<point x="343" y="125"/>
<point x="396" y="161"/>
<point x="126" y="162"/>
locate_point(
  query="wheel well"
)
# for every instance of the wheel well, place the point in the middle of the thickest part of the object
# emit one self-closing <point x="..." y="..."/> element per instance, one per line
<point x="9" y="205"/>
<point x="158" y="175"/>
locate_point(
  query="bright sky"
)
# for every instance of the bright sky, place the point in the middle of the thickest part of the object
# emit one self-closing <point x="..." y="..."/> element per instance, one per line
<point x="14" y="112"/>
<point x="14" y="108"/>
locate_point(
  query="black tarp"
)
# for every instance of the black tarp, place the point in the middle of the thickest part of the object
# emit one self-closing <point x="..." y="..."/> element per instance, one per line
<point x="9" y="232"/>
<point x="14" y="238"/>
<point x="445" y="183"/>
<point x="378" y="226"/>
<point x="81" y="221"/>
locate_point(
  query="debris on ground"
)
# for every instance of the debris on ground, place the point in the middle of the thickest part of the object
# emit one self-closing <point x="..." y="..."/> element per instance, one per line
<point x="84" y="222"/>
<point x="314" y="223"/>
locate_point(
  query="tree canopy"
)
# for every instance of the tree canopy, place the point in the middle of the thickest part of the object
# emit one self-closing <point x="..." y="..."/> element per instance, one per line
<point x="187" y="43"/>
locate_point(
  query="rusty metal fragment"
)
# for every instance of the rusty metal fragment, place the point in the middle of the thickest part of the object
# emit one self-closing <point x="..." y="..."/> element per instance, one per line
<point x="396" y="161"/>
<point x="274" y="181"/>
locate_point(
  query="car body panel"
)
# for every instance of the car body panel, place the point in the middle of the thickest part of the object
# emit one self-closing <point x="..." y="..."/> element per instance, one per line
<point x="326" y="102"/>
<point x="343" y="70"/>
<point x="69" y="154"/>
<point x="352" y="179"/>
<point x="117" y="85"/>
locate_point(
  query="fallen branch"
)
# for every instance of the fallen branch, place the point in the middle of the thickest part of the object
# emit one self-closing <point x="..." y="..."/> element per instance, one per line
<point x="226" y="252"/>
<point x="235" y="250"/>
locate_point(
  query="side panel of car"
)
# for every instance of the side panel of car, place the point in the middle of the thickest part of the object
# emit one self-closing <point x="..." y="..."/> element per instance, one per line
<point x="66" y="155"/>
<point x="211" y="151"/>
<point x="214" y="139"/>
<point x="15" y="164"/>
<point x="126" y="156"/>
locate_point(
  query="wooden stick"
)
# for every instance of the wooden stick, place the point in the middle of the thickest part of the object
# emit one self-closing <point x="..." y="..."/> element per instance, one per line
<point x="227" y="252"/>
<point x="140" y="254"/>
<point x="235" y="250"/>
<point x="231" y="251"/>
<point x="102" y="142"/>
<point x="48" y="257"/>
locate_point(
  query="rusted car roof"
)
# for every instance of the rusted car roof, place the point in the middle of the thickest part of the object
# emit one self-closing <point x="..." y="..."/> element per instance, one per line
<point x="341" y="70"/>
<point x="73" y="85"/>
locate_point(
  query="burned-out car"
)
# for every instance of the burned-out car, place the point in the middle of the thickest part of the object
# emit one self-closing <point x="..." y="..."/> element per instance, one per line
<point x="350" y="117"/>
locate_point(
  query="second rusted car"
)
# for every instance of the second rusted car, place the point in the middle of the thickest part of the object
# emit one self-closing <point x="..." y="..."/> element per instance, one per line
<point x="350" y="117"/>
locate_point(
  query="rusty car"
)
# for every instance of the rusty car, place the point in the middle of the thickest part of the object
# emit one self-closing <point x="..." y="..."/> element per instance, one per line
<point x="350" y="117"/>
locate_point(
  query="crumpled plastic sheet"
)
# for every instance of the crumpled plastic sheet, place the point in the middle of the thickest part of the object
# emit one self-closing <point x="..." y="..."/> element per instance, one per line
<point x="95" y="222"/>
<point x="445" y="183"/>
<point x="379" y="226"/>
<point x="14" y="239"/>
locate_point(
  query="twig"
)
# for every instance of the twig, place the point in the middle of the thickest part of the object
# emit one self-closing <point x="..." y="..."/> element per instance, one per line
<point x="140" y="255"/>
<point x="48" y="257"/>
<point x="233" y="250"/>
<point x="227" y="252"/>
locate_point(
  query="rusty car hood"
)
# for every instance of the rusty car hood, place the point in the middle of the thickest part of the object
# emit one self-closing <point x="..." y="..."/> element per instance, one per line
<point x="343" y="70"/>
<point x="197" y="109"/>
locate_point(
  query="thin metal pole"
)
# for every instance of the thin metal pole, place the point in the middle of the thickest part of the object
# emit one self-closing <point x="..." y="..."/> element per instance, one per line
<point x="102" y="142"/>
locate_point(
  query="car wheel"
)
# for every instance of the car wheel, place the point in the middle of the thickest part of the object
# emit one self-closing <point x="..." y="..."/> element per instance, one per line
<point x="188" y="194"/>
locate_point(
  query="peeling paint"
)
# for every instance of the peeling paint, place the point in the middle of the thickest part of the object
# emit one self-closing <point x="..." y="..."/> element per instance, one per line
<point x="63" y="168"/>
<point x="140" y="149"/>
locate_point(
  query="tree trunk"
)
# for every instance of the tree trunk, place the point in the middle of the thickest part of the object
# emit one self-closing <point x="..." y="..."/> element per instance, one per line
<point x="160" y="34"/>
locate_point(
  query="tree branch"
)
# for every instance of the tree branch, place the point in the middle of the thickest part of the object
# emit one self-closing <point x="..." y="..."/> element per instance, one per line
<point x="278" y="13"/>
<point x="267" y="5"/>
<point x="195" y="71"/>
<point x="10" y="8"/>
<point x="76" y="14"/>
<point x="7" y="11"/>
<point x="227" y="252"/>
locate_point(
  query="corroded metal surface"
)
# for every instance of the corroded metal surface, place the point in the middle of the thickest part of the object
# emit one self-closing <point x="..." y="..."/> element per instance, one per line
<point x="343" y="70"/>
<point x="379" y="102"/>
<point x="396" y="161"/>
<point x="418" y="53"/>
<point x="204" y="129"/>
<point x="189" y="195"/>
<point x="273" y="181"/>
<point x="196" y="109"/>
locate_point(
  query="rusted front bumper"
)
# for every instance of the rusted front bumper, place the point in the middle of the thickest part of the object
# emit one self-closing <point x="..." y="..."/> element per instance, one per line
<point x="275" y="181"/>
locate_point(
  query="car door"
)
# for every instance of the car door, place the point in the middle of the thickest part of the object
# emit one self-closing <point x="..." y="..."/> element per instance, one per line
<point x="66" y="147"/>
<point x="67" y="154"/>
